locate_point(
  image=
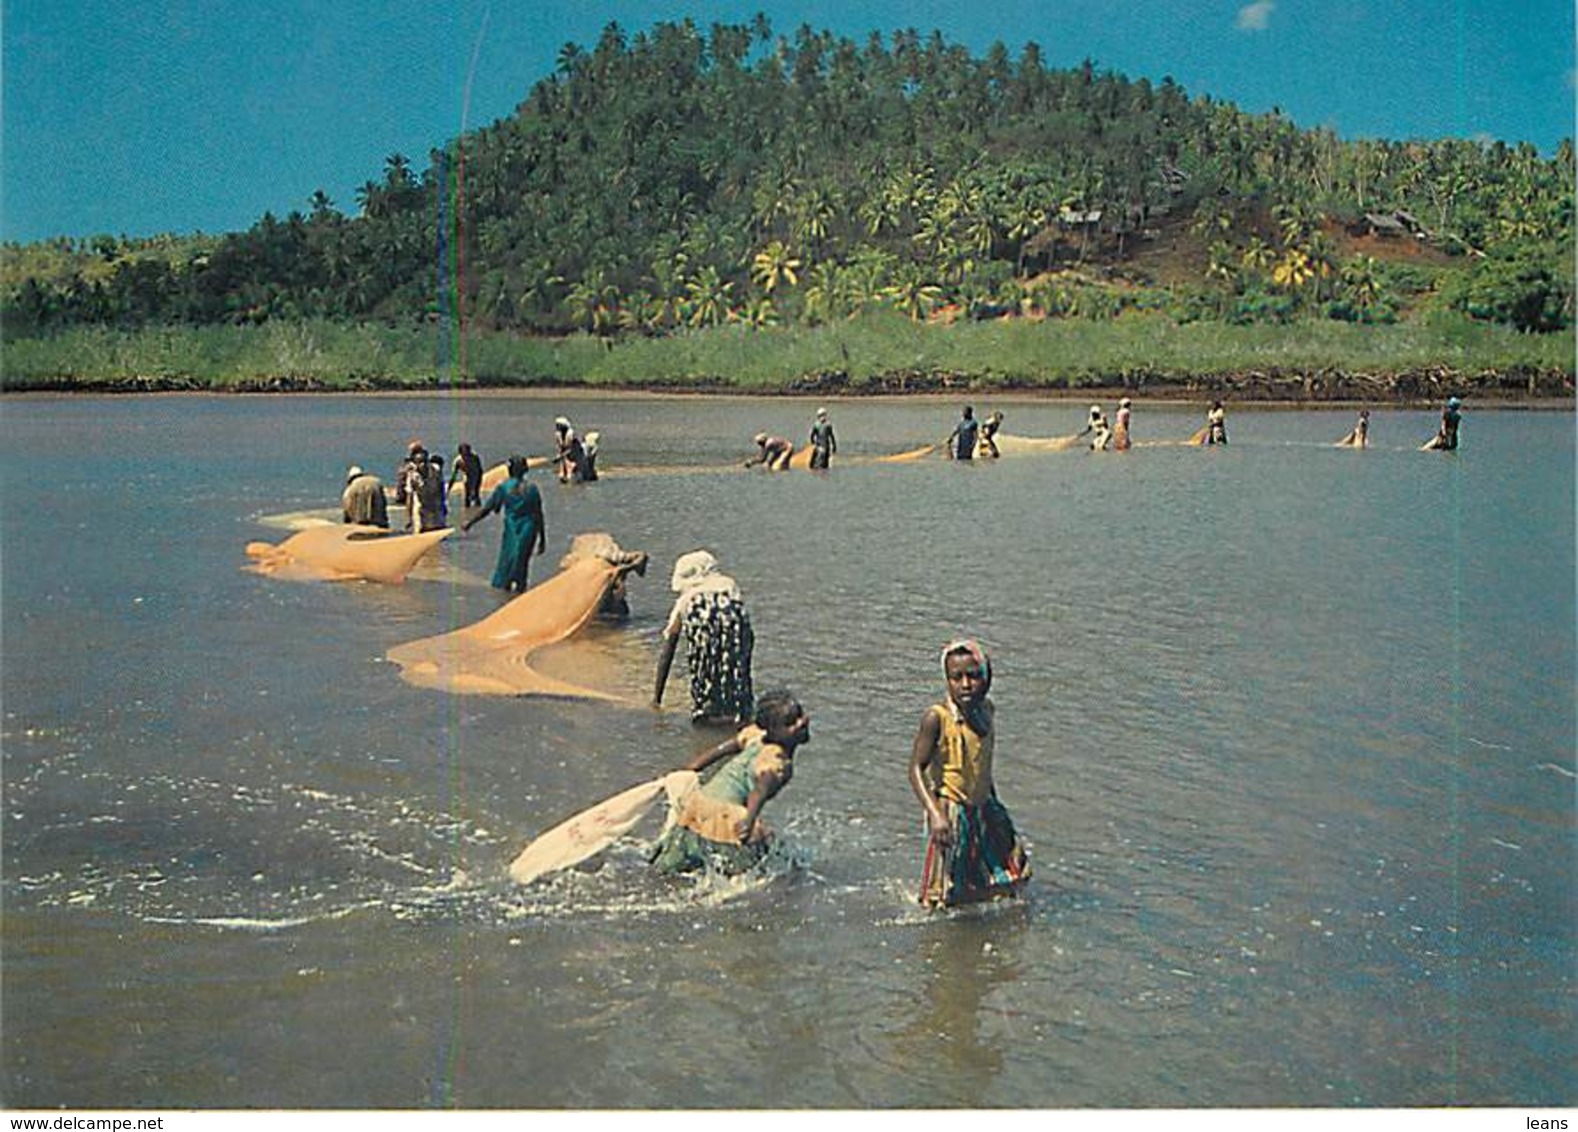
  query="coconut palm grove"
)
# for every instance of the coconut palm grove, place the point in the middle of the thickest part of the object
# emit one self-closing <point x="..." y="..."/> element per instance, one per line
<point x="681" y="182"/>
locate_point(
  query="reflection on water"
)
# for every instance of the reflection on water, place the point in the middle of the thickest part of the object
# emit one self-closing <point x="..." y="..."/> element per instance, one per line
<point x="1288" y="729"/>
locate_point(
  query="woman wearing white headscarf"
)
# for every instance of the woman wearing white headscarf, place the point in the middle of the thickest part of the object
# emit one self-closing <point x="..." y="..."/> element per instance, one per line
<point x="711" y="615"/>
<point x="571" y="460"/>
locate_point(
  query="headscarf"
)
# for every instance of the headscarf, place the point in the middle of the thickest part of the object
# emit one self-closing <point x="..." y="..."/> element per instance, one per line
<point x="561" y="422"/>
<point x="977" y="653"/>
<point x="696" y="574"/>
<point x="352" y="472"/>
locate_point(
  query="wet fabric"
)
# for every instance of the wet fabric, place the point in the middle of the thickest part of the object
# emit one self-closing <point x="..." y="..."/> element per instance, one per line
<point x="719" y="642"/>
<point x="343" y="553"/>
<point x="493" y="656"/>
<point x="985" y="862"/>
<point x="593" y="830"/>
<point x="703" y="832"/>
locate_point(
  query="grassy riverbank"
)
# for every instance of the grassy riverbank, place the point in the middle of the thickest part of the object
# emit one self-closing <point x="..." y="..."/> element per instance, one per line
<point x="876" y="353"/>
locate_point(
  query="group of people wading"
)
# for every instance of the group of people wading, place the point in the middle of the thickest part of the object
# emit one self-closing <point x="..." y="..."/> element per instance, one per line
<point x="972" y="850"/>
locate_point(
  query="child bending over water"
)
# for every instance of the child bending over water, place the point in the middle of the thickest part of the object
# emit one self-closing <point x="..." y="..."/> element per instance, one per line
<point x="718" y="824"/>
<point x="972" y="851"/>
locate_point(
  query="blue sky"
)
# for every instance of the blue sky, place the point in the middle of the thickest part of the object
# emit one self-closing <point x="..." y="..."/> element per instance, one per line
<point x="199" y="115"/>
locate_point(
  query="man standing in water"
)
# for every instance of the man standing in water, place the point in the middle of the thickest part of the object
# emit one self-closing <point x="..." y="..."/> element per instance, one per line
<point x="961" y="441"/>
<point x="1445" y="439"/>
<point x="468" y="467"/>
<point x="823" y="442"/>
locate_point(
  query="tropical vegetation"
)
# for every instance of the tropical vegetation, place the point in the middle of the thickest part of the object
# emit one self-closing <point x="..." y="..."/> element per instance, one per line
<point x="667" y="183"/>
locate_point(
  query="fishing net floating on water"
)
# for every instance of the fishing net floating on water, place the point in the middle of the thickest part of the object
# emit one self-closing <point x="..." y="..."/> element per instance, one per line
<point x="593" y="830"/>
<point x="493" y="655"/>
<point x="344" y="552"/>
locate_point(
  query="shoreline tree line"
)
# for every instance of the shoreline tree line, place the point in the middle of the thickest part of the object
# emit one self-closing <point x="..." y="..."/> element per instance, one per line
<point x="678" y="179"/>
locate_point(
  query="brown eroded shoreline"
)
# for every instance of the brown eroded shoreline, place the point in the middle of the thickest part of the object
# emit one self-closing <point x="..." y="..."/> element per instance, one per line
<point x="1519" y="387"/>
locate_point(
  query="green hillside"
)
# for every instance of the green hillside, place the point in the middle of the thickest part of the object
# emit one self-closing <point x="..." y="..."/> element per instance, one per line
<point x="675" y="180"/>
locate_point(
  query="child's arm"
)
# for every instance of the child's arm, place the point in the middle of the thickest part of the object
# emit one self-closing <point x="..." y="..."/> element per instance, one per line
<point x="768" y="783"/>
<point x="925" y="752"/>
<point x="722" y="751"/>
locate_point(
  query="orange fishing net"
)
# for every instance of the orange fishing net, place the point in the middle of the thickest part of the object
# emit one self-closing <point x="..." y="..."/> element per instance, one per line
<point x="346" y="552"/>
<point x="493" y="656"/>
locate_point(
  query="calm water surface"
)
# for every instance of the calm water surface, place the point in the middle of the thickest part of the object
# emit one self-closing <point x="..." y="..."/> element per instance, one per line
<point x="1289" y="729"/>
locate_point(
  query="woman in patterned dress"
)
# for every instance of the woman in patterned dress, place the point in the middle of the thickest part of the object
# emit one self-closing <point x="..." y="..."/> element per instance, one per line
<point x="710" y="614"/>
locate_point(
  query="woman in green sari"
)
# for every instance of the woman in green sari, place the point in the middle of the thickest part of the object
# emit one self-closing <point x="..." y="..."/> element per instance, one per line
<point x="524" y="526"/>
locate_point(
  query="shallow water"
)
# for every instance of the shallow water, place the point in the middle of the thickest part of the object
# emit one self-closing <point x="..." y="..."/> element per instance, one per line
<point x="1289" y="729"/>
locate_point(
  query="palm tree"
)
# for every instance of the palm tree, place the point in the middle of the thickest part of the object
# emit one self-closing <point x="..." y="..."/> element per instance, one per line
<point x="1259" y="256"/>
<point x="370" y="197"/>
<point x="757" y="313"/>
<point x="1361" y="281"/>
<point x="707" y="297"/>
<point x="773" y="265"/>
<point x="824" y="292"/>
<point x="1219" y="262"/>
<point x="1293" y="270"/>
<point x="913" y="295"/>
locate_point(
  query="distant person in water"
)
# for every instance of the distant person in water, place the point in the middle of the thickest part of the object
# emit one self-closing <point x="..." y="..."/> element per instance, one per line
<point x="823" y="442"/>
<point x="438" y="493"/>
<point x="772" y="451"/>
<point x="972" y="851"/>
<point x="718" y="825"/>
<point x="589" y="450"/>
<point x="1445" y="439"/>
<point x="468" y="469"/>
<point x="710" y="615"/>
<point x="424" y="493"/>
<point x="571" y="458"/>
<point x="363" y="500"/>
<point x="1097" y="428"/>
<point x="962" y="440"/>
<point x="1360" y="436"/>
<point x="525" y="529"/>
<point x="413" y="452"/>
<point x="1120" y="429"/>
<point x="987" y="446"/>
<point x="1216" y="424"/>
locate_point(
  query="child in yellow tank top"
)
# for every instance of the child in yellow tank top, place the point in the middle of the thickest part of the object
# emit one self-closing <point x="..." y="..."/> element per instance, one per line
<point x="972" y="850"/>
